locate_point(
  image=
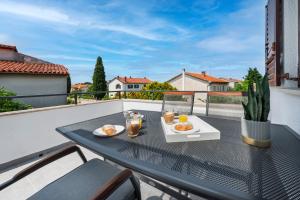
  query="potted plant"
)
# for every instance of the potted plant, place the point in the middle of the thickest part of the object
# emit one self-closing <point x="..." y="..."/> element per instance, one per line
<point x="255" y="124"/>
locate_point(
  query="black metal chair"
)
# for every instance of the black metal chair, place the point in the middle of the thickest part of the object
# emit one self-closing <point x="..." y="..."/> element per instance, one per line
<point x="178" y="102"/>
<point x="94" y="180"/>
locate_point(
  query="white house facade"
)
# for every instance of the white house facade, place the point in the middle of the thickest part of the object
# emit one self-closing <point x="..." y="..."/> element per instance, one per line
<point x="189" y="81"/>
<point x="127" y="83"/>
<point x="32" y="78"/>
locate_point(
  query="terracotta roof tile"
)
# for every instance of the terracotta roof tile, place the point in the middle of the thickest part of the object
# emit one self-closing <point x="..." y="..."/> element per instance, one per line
<point x="134" y="80"/>
<point x="32" y="68"/>
<point x="206" y="77"/>
<point x="231" y="79"/>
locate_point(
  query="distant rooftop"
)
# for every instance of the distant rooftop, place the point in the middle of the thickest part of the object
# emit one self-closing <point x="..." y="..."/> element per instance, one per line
<point x="18" y="63"/>
<point x="13" y="67"/>
<point x="231" y="80"/>
<point x="204" y="76"/>
<point x="132" y="80"/>
<point x="79" y="86"/>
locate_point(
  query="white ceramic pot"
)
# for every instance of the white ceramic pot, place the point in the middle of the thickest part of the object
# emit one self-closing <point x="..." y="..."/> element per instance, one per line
<point x="256" y="133"/>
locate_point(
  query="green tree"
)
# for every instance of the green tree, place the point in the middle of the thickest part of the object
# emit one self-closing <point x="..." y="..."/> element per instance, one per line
<point x="144" y="94"/>
<point x="99" y="82"/>
<point x="251" y="77"/>
<point x="9" y="104"/>
<point x="68" y="84"/>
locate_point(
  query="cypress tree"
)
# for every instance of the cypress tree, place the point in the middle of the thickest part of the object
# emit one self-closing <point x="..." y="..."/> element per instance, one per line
<point x="99" y="83"/>
<point x="68" y="84"/>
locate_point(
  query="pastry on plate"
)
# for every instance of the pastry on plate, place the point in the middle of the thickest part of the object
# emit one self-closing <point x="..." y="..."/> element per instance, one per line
<point x="184" y="127"/>
<point x="109" y="129"/>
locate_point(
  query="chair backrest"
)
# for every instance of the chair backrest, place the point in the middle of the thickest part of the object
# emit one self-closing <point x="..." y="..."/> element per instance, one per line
<point x="178" y="102"/>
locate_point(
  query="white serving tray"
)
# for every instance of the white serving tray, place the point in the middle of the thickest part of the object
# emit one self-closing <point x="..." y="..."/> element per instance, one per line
<point x="204" y="131"/>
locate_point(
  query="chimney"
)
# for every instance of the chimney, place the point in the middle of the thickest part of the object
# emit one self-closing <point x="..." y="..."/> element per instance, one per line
<point x="183" y="79"/>
<point x="203" y="73"/>
<point x="125" y="79"/>
<point x="129" y="76"/>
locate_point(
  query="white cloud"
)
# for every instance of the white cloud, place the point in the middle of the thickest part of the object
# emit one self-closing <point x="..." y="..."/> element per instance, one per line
<point x="135" y="31"/>
<point x="139" y="25"/>
<point x="65" y="57"/>
<point x="3" y="38"/>
<point x="127" y="52"/>
<point x="36" y="12"/>
<point x="223" y="44"/>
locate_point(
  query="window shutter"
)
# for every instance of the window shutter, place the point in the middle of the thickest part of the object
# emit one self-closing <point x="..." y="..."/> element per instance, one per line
<point x="298" y="44"/>
<point x="273" y="39"/>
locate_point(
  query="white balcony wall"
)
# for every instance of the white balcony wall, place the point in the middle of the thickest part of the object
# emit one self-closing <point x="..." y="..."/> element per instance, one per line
<point x="227" y="110"/>
<point x="138" y="104"/>
<point x="285" y="107"/>
<point x="27" y="132"/>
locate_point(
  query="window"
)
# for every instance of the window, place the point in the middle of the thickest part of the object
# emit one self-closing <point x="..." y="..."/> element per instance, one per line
<point x="118" y="86"/>
<point x="136" y="86"/>
<point x="130" y="86"/>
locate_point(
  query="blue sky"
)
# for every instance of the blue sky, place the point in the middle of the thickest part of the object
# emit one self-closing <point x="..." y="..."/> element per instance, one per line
<point x="153" y="38"/>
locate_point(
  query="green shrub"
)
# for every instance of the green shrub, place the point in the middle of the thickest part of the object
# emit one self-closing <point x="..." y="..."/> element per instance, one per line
<point x="9" y="104"/>
<point x="144" y="94"/>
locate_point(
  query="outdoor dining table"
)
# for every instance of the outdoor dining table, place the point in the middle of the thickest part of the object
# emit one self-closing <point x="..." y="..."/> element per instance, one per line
<point x="218" y="169"/>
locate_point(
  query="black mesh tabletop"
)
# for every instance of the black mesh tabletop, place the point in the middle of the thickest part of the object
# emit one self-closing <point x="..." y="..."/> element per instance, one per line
<point x="224" y="169"/>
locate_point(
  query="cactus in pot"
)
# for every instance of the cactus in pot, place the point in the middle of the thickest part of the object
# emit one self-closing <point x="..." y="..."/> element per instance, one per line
<point x="255" y="124"/>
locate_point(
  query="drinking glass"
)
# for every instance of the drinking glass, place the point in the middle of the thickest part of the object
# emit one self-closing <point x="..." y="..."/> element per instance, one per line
<point x="169" y="117"/>
<point x="133" y="127"/>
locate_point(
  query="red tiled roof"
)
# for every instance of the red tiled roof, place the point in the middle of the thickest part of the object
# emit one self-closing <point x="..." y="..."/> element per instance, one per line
<point x="206" y="77"/>
<point x="13" y="67"/>
<point x="79" y="86"/>
<point x="134" y="80"/>
<point x="10" y="47"/>
<point x="231" y="80"/>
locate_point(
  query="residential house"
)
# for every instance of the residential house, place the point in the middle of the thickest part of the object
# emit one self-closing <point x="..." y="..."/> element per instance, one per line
<point x="231" y="82"/>
<point x="127" y="83"/>
<point x="191" y="81"/>
<point x="26" y="75"/>
<point x="83" y="87"/>
<point x="283" y="61"/>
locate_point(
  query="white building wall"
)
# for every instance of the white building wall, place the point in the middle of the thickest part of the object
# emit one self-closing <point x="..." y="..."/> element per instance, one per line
<point x="134" y="89"/>
<point x="112" y="87"/>
<point x="23" y="84"/>
<point x="285" y="100"/>
<point x="290" y="41"/>
<point x="191" y="84"/>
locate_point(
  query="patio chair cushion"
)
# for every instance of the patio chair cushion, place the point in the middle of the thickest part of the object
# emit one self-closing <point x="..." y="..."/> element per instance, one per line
<point x="83" y="182"/>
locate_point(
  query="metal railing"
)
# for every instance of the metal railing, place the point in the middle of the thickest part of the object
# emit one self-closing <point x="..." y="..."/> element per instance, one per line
<point x="119" y="94"/>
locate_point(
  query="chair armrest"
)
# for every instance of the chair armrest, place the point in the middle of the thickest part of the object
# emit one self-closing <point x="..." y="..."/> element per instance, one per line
<point x="114" y="183"/>
<point x="48" y="159"/>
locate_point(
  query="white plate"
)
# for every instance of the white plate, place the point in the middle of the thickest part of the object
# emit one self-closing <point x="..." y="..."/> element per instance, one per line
<point x="184" y="132"/>
<point x="99" y="132"/>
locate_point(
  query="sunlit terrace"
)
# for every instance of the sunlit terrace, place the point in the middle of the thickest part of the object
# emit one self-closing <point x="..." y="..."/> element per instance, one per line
<point x="192" y="136"/>
<point x="224" y="168"/>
